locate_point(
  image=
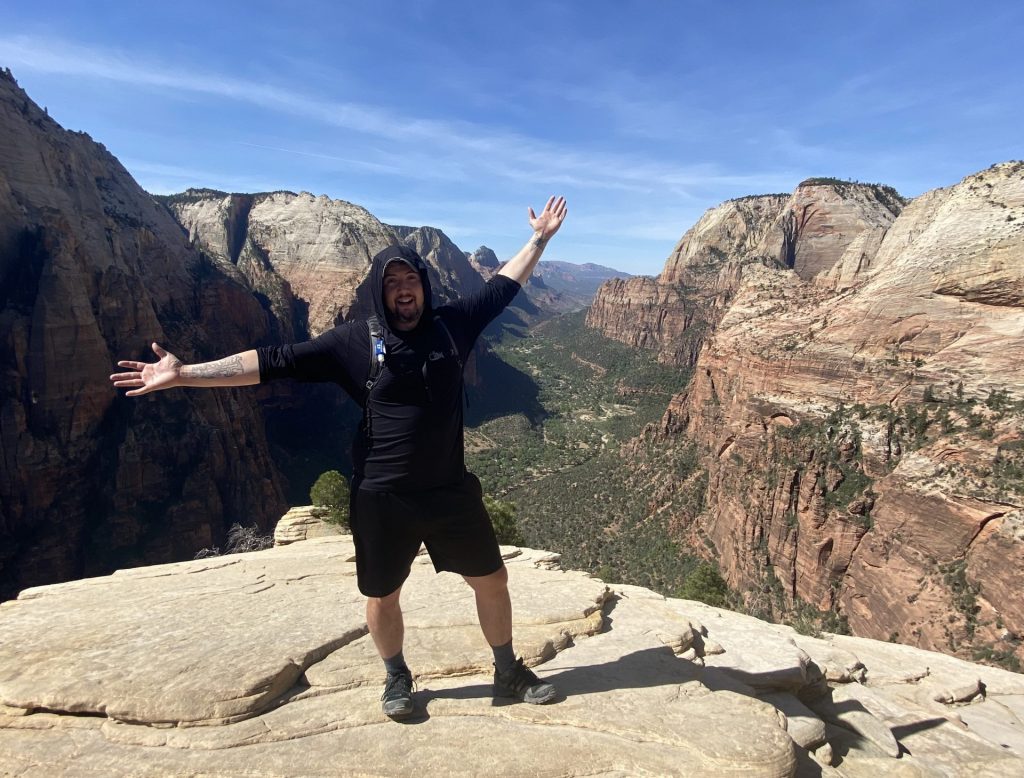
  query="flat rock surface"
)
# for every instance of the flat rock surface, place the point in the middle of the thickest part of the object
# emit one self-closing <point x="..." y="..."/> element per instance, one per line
<point x="260" y="664"/>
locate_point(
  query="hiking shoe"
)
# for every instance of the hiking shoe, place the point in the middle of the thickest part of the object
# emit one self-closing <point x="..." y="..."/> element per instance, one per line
<point x="521" y="682"/>
<point x="397" y="696"/>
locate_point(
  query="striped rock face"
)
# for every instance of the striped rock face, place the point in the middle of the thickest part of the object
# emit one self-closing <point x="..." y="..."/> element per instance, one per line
<point x="93" y="270"/>
<point x="863" y="428"/>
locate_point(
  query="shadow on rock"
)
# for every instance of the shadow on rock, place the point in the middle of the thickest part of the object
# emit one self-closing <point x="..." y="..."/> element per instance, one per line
<point x="640" y="669"/>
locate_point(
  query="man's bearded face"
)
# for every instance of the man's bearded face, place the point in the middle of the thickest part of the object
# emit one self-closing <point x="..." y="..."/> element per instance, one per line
<point x="403" y="295"/>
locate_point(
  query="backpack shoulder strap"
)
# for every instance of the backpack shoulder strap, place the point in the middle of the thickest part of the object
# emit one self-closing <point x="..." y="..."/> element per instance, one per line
<point x="455" y="351"/>
<point x="448" y="332"/>
<point x="376" y="367"/>
<point x="376" y="352"/>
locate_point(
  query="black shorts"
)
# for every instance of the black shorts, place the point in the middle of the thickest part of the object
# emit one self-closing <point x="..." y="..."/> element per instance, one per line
<point x="388" y="528"/>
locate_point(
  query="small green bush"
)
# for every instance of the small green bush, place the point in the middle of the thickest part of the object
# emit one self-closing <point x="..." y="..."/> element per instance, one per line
<point x="503" y="517"/>
<point x="331" y="491"/>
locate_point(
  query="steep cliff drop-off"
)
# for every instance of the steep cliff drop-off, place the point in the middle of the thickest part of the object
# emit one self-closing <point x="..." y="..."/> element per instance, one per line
<point x="862" y="423"/>
<point x="91" y="271"/>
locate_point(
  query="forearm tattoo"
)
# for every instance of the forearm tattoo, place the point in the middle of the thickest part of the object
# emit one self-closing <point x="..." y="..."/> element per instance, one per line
<point x="539" y="242"/>
<point x="222" y="368"/>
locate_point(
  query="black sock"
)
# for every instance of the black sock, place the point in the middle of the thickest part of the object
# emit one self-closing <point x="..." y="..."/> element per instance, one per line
<point x="504" y="657"/>
<point x="396" y="664"/>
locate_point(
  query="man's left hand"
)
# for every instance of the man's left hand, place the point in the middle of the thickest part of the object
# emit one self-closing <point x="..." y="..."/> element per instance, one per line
<point x="550" y="218"/>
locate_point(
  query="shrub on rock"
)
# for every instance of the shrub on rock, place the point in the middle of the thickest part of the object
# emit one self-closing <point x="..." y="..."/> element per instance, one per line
<point x="331" y="491"/>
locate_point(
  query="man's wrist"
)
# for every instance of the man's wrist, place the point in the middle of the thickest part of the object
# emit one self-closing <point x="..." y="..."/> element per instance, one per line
<point x="538" y="240"/>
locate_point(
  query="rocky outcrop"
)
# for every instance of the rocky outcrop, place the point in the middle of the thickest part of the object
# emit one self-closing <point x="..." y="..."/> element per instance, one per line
<point x="862" y="429"/>
<point x="305" y="523"/>
<point x="307" y="255"/>
<point x="732" y="230"/>
<point x="91" y="271"/>
<point x="215" y="665"/>
<point x="643" y="313"/>
<point x="822" y="218"/>
<point x="824" y="223"/>
<point x="484" y="260"/>
<point x="673" y="313"/>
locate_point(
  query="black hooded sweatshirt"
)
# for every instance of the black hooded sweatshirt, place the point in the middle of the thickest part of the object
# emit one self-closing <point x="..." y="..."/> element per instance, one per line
<point x="415" y="407"/>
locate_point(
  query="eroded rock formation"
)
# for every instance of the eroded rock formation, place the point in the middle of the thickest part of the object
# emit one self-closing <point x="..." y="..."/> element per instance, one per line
<point x="307" y="255"/>
<point x="484" y="260"/>
<point x="823" y="217"/>
<point x="91" y="271"/>
<point x="861" y="421"/>
<point x="305" y="523"/>
<point x="811" y="231"/>
<point x="211" y="666"/>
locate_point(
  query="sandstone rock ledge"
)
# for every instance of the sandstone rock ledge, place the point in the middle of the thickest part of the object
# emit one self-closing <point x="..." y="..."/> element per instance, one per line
<point x="305" y="523"/>
<point x="260" y="664"/>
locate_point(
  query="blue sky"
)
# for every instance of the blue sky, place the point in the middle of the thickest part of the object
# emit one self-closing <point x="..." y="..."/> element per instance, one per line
<point x="461" y="114"/>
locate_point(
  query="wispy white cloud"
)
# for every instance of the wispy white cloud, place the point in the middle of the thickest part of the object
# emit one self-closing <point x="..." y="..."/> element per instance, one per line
<point x="161" y="178"/>
<point x="482" y="149"/>
<point x="344" y="161"/>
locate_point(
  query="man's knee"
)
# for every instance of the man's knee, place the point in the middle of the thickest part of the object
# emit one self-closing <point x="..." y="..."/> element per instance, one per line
<point x="495" y="582"/>
<point x="386" y="603"/>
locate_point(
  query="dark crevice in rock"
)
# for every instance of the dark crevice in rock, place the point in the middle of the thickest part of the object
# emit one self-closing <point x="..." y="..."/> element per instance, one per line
<point x="238" y="225"/>
<point x="981" y="527"/>
<point x="81" y="714"/>
<point x="21" y="268"/>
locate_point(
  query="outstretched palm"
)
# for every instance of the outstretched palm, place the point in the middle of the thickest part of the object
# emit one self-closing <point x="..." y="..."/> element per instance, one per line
<point x="550" y="218"/>
<point x="148" y="377"/>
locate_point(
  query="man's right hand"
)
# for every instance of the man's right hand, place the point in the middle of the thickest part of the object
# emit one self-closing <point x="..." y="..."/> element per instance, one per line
<point x="148" y="377"/>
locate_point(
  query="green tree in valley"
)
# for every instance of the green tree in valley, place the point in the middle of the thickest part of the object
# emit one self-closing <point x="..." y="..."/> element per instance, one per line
<point x="503" y="517"/>
<point x="706" y="585"/>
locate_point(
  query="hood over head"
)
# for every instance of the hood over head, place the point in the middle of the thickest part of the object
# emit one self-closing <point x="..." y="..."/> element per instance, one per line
<point x="398" y="253"/>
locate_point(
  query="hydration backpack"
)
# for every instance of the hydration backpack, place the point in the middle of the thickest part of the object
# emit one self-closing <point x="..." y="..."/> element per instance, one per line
<point x="377" y="352"/>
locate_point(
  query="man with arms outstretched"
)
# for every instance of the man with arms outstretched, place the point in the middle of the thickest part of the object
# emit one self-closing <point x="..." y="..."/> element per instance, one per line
<point x="410" y="483"/>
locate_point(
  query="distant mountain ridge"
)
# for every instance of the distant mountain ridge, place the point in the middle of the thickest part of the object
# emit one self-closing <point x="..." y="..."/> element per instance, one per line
<point x="555" y="286"/>
<point x="579" y="282"/>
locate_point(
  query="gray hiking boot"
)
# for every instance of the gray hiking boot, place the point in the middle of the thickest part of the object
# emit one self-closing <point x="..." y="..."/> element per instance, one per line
<point x="521" y="682"/>
<point x="397" y="697"/>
